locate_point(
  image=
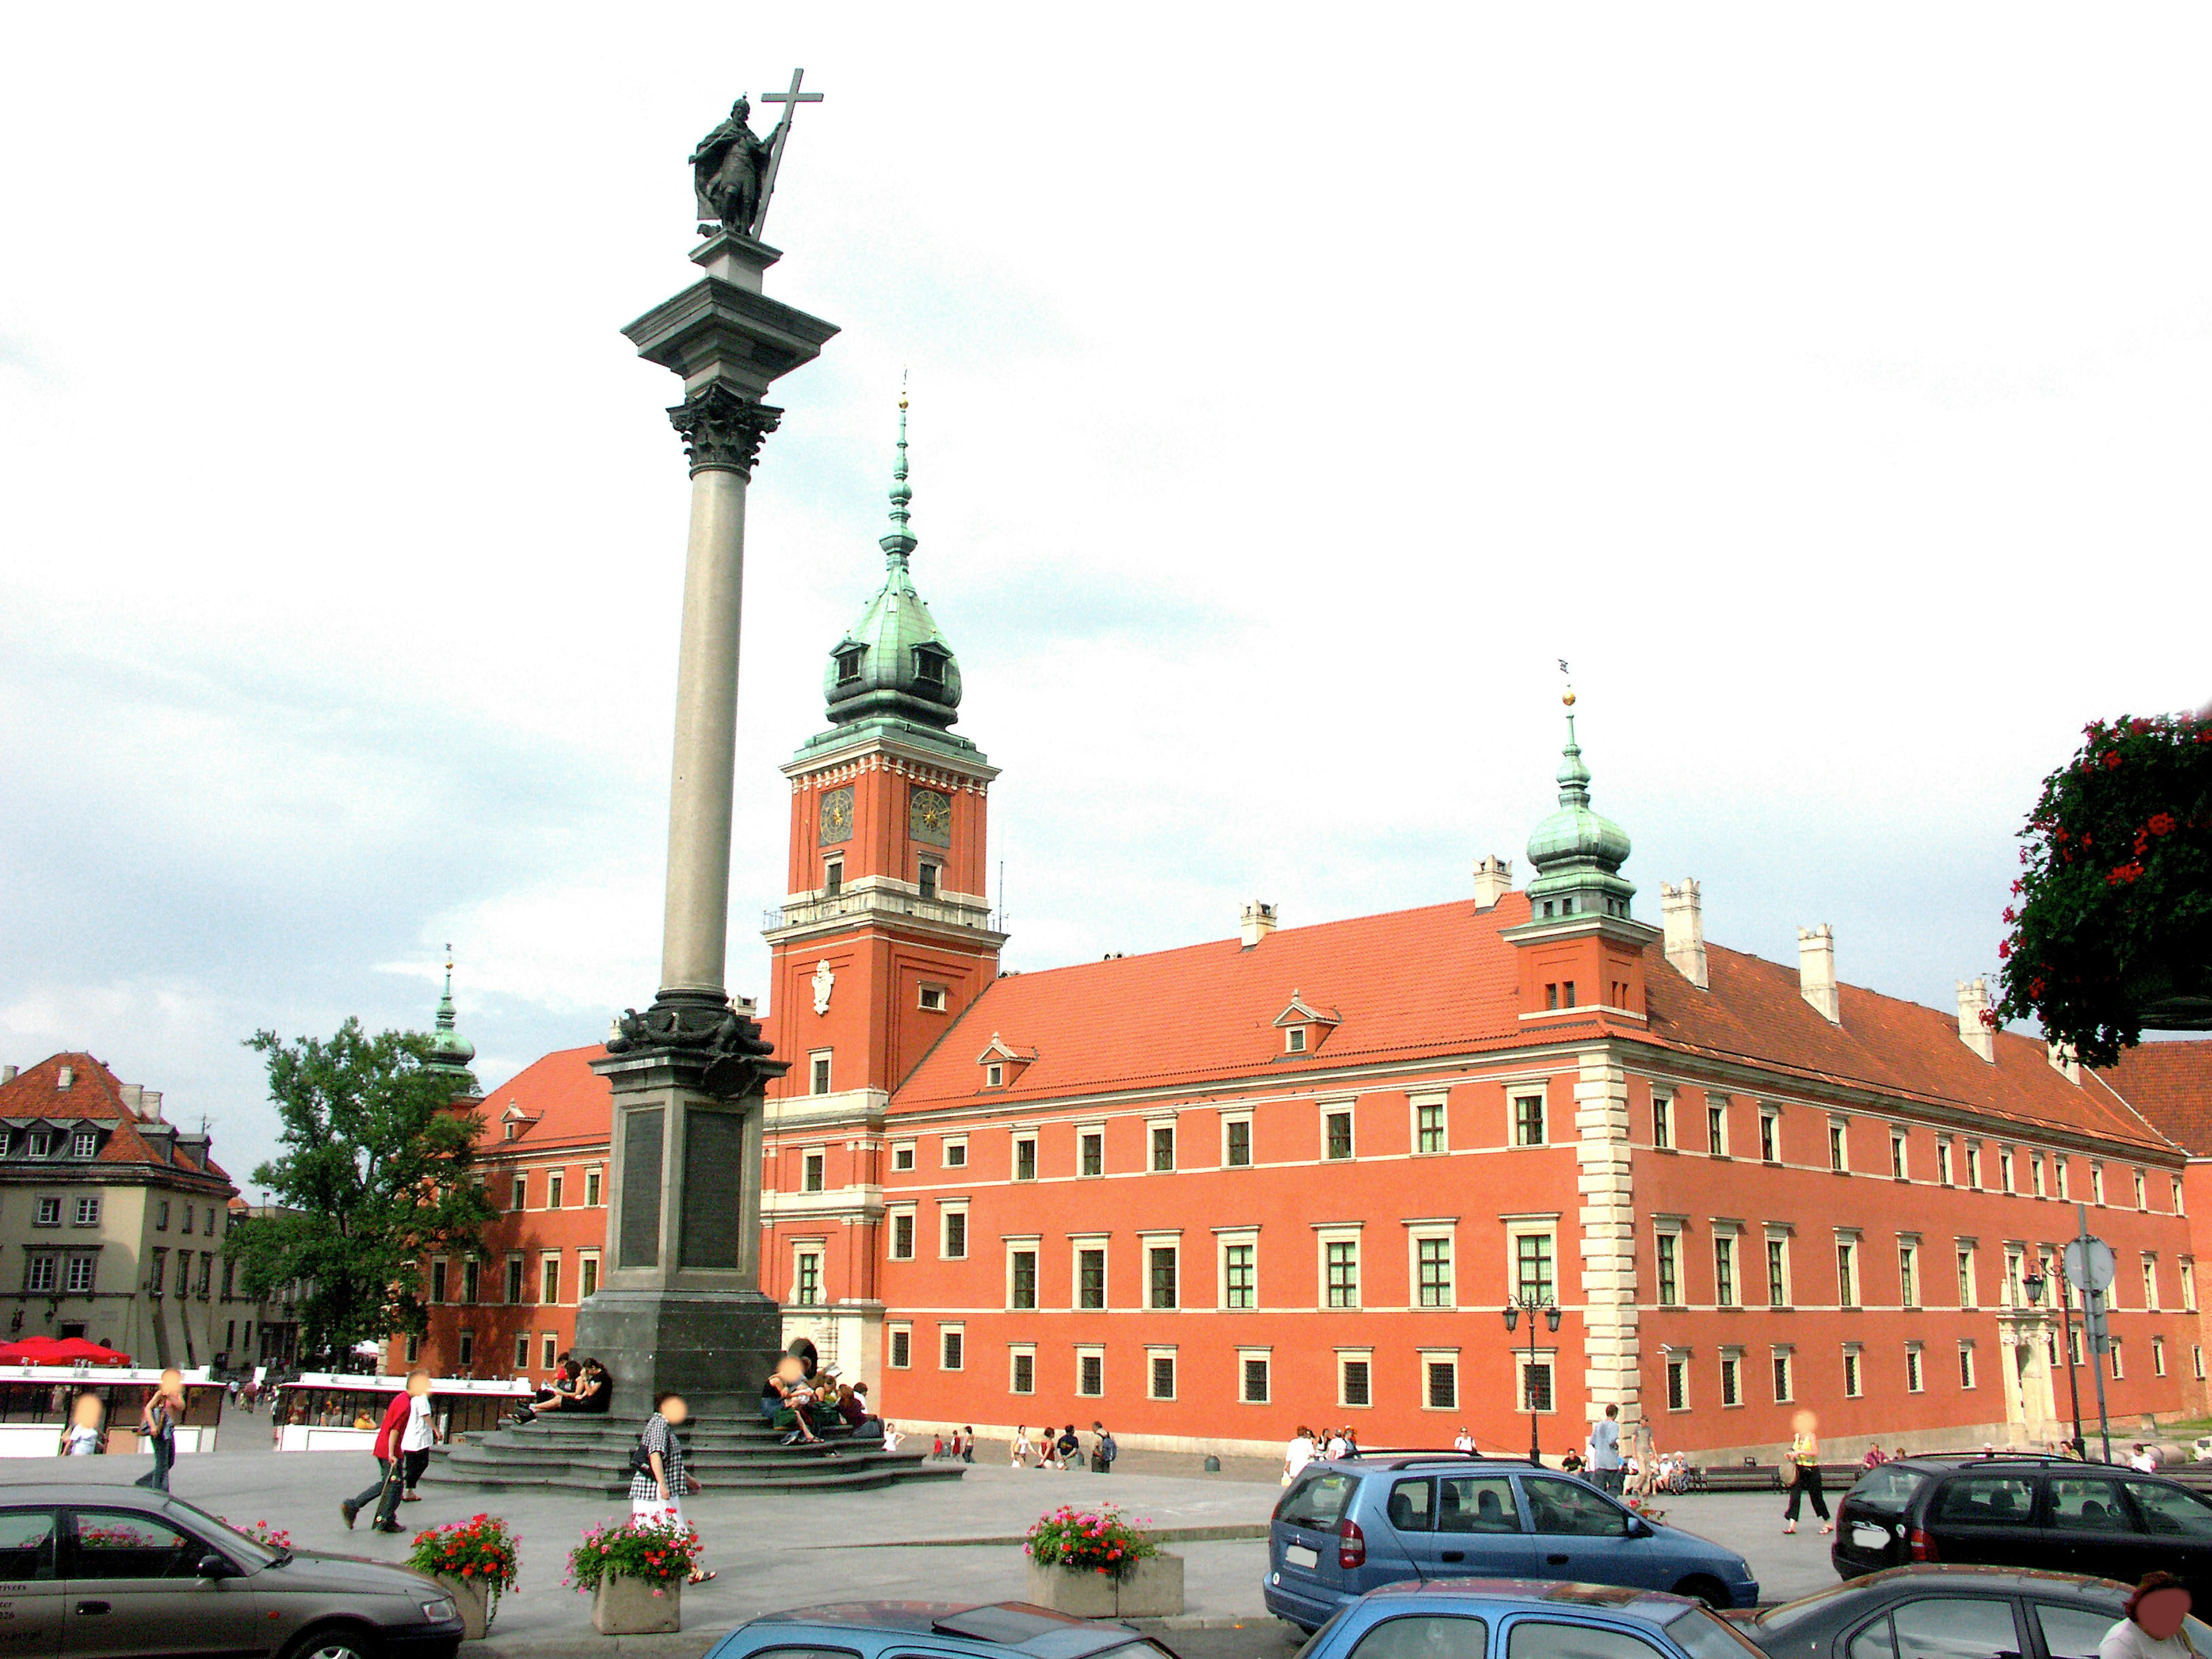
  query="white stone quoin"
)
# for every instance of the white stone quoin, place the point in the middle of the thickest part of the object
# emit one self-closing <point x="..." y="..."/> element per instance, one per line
<point x="1493" y="880"/>
<point x="1682" y="914"/>
<point x="1816" y="971"/>
<point x="1974" y="1003"/>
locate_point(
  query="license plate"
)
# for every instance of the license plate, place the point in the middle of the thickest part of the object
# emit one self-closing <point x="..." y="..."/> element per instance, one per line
<point x="1864" y="1537"/>
<point x="1297" y="1555"/>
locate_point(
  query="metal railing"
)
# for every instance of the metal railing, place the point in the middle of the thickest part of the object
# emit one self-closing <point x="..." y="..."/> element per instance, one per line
<point x="831" y="907"/>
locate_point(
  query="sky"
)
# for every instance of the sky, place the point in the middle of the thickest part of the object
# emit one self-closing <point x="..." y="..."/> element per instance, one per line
<point x="1292" y="387"/>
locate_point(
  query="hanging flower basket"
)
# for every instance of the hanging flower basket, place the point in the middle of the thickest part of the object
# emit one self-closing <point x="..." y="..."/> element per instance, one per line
<point x="475" y="1562"/>
<point x="2112" y="924"/>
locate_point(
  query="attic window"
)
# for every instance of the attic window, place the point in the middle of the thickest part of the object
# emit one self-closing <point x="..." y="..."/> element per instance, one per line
<point x="848" y="663"/>
<point x="84" y="1144"/>
<point x="1294" y="1040"/>
<point x="510" y="1131"/>
<point x="40" y="1140"/>
<point x="994" y="1076"/>
<point x="929" y="664"/>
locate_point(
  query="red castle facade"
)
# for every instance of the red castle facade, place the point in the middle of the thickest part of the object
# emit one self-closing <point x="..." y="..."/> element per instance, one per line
<point x="1210" y="1193"/>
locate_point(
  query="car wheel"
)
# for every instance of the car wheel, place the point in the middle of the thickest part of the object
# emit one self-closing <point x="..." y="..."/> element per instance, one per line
<point x="334" y="1641"/>
<point x="1710" y="1591"/>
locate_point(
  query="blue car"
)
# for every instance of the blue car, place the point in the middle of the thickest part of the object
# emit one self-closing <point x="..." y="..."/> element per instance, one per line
<point x="932" y="1630"/>
<point x="1344" y="1528"/>
<point x="1506" y="1618"/>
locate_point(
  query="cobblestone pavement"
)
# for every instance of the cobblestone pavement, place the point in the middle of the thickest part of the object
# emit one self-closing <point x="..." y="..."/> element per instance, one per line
<point x="778" y="1550"/>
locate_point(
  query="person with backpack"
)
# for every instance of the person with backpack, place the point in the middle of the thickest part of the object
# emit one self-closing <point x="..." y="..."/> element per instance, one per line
<point x="1103" y="1451"/>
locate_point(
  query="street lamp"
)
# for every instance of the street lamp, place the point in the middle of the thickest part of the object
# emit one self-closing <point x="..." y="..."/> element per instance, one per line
<point x="2033" y="1285"/>
<point x="1534" y="1305"/>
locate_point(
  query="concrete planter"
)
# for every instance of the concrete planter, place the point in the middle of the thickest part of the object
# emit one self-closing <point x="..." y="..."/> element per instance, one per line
<point x="1153" y="1590"/>
<point x="473" y="1598"/>
<point x="628" y="1606"/>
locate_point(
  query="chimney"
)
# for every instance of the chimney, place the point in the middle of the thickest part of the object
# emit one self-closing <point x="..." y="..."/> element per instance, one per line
<point x="2065" y="1058"/>
<point x="1258" y="921"/>
<point x="1493" y="880"/>
<point x="150" y="1105"/>
<point x="7" y="1073"/>
<point x="1974" y="1003"/>
<point x="66" y="1076"/>
<point x="1680" y="910"/>
<point x="1816" y="971"/>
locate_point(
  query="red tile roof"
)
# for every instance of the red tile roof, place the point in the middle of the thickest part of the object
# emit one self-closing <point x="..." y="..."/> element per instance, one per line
<point x="1439" y="980"/>
<point x="2171" y="1084"/>
<point x="564" y="1100"/>
<point x="94" y="1094"/>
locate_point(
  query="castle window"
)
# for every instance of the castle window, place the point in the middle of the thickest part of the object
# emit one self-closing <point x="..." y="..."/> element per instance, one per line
<point x="994" y="1076"/>
<point x="933" y="998"/>
<point x="83" y="1144"/>
<point x="1294" y="1040"/>
<point x="820" y="1072"/>
<point x="928" y="883"/>
<point x="848" y="663"/>
<point x="833" y="877"/>
<point x="1568" y="989"/>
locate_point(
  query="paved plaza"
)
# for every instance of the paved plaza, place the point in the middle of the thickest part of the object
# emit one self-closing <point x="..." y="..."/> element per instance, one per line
<point x="947" y="1542"/>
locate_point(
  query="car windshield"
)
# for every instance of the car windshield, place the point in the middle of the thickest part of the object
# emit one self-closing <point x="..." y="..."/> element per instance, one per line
<point x="1703" y="1636"/>
<point x="233" y="1534"/>
<point x="1781" y="1618"/>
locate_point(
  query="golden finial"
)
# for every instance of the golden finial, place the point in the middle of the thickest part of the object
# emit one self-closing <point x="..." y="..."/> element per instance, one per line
<point x="902" y="390"/>
<point x="1569" y="698"/>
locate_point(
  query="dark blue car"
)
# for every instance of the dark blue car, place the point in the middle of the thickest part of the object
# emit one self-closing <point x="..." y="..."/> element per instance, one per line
<point x="1502" y="1619"/>
<point x="932" y="1630"/>
<point x="1344" y="1528"/>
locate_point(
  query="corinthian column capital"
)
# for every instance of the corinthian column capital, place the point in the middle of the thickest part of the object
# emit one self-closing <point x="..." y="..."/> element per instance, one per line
<point x="721" y="430"/>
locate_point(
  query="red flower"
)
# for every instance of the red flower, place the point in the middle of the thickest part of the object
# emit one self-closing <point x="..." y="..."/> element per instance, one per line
<point x="2113" y="759"/>
<point x="2004" y="948"/>
<point x="2161" y="823"/>
<point x="2011" y="915"/>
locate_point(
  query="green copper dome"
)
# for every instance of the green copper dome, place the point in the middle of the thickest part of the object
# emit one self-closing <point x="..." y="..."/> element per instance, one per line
<point x="450" y="1052"/>
<point x="894" y="663"/>
<point x="1578" y="853"/>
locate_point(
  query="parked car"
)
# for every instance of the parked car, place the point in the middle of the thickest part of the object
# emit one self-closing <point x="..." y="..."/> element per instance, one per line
<point x="876" y="1630"/>
<point x="1344" y="1528"/>
<point x="1509" y="1619"/>
<point x="2097" y="1520"/>
<point x="92" y="1571"/>
<point x="1958" y="1612"/>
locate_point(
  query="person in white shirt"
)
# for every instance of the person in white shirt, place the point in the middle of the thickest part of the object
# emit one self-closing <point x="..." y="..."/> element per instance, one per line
<point x="1023" y="1451"/>
<point x="1605" y="1462"/>
<point x="1299" y="1454"/>
<point x="1464" y="1441"/>
<point x="2143" y="1460"/>
<point x="417" y="1437"/>
<point x="2154" y="1626"/>
<point x="82" y="1438"/>
<point x="1338" y="1445"/>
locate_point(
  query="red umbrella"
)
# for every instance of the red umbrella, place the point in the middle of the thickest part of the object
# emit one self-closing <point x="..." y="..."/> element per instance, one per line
<point x="59" y="1350"/>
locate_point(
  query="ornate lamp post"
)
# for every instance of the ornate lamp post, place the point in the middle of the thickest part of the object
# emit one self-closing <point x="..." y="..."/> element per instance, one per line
<point x="1549" y="1310"/>
<point x="2033" y="1285"/>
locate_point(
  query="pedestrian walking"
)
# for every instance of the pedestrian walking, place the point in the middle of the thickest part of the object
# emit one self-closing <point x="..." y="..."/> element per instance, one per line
<point x="658" y="1482"/>
<point x="1023" y="1451"/>
<point x="1299" y="1452"/>
<point x="385" y="1494"/>
<point x="968" y="1443"/>
<point x="1103" y="1451"/>
<point x="1604" y="1451"/>
<point x="1803" y="1472"/>
<point x="158" y="1424"/>
<point x="416" y="1438"/>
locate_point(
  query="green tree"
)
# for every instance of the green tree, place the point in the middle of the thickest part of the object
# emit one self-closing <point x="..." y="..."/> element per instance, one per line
<point x="2111" y="933"/>
<point x="377" y="1173"/>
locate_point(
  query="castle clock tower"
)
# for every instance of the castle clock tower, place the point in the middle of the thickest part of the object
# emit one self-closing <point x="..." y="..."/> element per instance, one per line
<point x="885" y="937"/>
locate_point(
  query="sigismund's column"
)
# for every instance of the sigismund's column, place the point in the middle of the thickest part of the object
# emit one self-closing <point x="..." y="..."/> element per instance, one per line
<point x="679" y="1304"/>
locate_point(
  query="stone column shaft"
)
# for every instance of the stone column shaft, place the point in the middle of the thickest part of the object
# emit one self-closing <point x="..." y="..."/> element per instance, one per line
<point x="695" y="929"/>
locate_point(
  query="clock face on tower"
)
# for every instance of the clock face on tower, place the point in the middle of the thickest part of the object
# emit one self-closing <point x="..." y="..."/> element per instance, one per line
<point x="836" y="816"/>
<point x="929" y="818"/>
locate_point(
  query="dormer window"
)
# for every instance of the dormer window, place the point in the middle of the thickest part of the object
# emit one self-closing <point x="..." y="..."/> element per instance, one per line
<point x="849" y="658"/>
<point x="1294" y="1040"/>
<point x="994" y="1077"/>
<point x="84" y="1144"/>
<point x="1304" y="1027"/>
<point x="40" y="1142"/>
<point x="1002" y="1063"/>
<point x="929" y="664"/>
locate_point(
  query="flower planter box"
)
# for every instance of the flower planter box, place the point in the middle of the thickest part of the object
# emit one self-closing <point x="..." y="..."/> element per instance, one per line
<point x="1152" y="1590"/>
<point x="631" y="1606"/>
<point x="473" y="1598"/>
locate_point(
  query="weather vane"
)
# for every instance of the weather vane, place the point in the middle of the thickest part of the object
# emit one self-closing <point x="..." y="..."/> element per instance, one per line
<point x="733" y="172"/>
<point x="1569" y="699"/>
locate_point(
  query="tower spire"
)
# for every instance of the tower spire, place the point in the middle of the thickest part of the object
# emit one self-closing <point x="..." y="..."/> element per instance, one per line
<point x="1574" y="776"/>
<point x="451" y="1052"/>
<point x="901" y="541"/>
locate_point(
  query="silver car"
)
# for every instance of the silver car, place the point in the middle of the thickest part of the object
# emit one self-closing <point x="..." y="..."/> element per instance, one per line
<point x="91" y="1572"/>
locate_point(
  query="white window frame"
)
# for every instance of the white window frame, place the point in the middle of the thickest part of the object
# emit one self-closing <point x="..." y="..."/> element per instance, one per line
<point x="1084" y="1133"/>
<point x="925" y="991"/>
<point x="1342" y="1233"/>
<point x="1522" y="1366"/>
<point x="1245" y="1120"/>
<point x="1908" y="1263"/>
<point x="1223" y="1241"/>
<point x="1417" y="1234"/>
<point x="1782" y="1362"/>
<point x="1076" y="1245"/>
<point x="1854" y="1371"/>
<point x="1970" y="1369"/>
<point x="1515" y="1099"/>
<point x="2004" y="1170"/>
<point x="1089" y="1351"/>
<point x="1348" y="1357"/>
<point x="1666" y="1249"/>
<point x="1294" y="1040"/>
<point x="1900" y="1155"/>
<point x="1429" y="1359"/>
<point x="1439" y="1101"/>
<point x="906" y="1149"/>
<point x="1154" y="1352"/>
<point x="1153" y="1126"/>
<point x="595" y="1186"/>
<point x="1944" y="1155"/>
<point x="87" y="1211"/>
<point x="2062" y="1180"/>
<point x="949" y="1145"/>
<point x="1783" y="1235"/>
<point x="2119" y="1367"/>
<point x="813" y="1170"/>
<point x="2188" y="1285"/>
<point x="2197" y="1360"/>
<point x="1015" y="1142"/>
<point x="81" y="1276"/>
<point x="821" y="1071"/>
<point x="1676" y="1370"/>
<point x="1516" y="1229"/>
<point x="1969" y="1283"/>
<point x="2142" y="1191"/>
<point x="1727" y="1237"/>
<point x="587" y="1268"/>
<point x="2151" y="1304"/>
<point x="1730" y="1369"/>
<point x="1016" y="1352"/>
<point x="891" y="1333"/>
<point x="2035" y="1189"/>
<point x="2157" y="1356"/>
<point x="994" y="1074"/>
<point x="957" y="1330"/>
<point x="1031" y="1245"/>
<point x="947" y="1209"/>
<point x="1915" y="1368"/>
<point x="1265" y="1357"/>
<point x="2097" y="1185"/>
<point x="1770" y="1133"/>
<point x="1146" y="1244"/>
<point x="1839" y="1143"/>
<point x="892" y="1215"/>
<point x="1663" y="1128"/>
<point x="1345" y="1108"/>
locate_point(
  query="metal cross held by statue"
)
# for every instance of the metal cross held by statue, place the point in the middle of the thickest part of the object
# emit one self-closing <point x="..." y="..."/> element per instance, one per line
<point x="791" y="99"/>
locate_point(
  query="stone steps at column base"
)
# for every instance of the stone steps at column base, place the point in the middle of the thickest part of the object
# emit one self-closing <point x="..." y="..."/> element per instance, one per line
<point x="857" y="1480"/>
<point x="743" y="1456"/>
